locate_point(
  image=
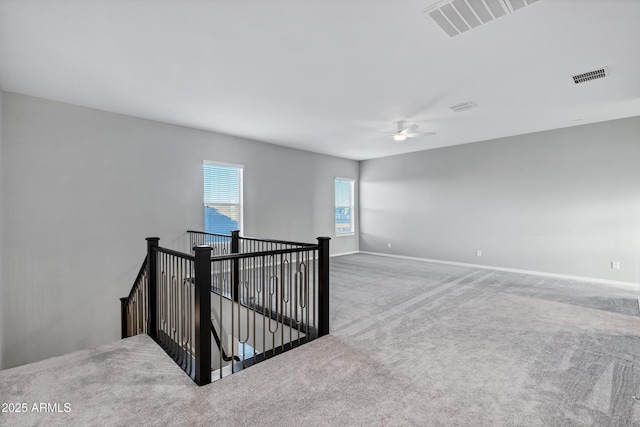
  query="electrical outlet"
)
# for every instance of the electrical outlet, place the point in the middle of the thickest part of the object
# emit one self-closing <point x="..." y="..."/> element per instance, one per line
<point x="478" y="252"/>
<point x="389" y="245"/>
<point x="615" y="265"/>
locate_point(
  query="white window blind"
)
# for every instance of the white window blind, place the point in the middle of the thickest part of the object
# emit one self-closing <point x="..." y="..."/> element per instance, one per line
<point x="222" y="197"/>
<point x="344" y="206"/>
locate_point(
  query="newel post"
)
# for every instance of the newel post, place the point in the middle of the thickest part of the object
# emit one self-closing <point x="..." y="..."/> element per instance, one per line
<point x="152" y="274"/>
<point x="123" y="317"/>
<point x="235" y="264"/>
<point x="202" y="313"/>
<point x="323" y="285"/>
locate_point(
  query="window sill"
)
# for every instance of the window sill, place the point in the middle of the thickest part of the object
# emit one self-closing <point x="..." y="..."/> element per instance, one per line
<point x="345" y="234"/>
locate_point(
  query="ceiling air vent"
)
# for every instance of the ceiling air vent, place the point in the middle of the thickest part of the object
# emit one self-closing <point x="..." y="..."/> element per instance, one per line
<point x="591" y="75"/>
<point x="463" y="106"/>
<point x="457" y="16"/>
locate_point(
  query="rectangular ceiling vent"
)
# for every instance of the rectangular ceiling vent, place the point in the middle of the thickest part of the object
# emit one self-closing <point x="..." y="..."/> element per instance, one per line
<point x="458" y="16"/>
<point x="591" y="75"/>
<point x="463" y="106"/>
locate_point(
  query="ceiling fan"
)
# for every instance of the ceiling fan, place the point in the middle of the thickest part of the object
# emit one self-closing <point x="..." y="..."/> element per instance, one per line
<point x="404" y="131"/>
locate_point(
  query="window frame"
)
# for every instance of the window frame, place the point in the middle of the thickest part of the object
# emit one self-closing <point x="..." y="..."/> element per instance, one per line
<point x="240" y="203"/>
<point x="352" y="191"/>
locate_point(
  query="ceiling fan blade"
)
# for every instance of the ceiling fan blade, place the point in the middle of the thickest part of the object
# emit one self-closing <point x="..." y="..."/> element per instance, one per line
<point x="406" y="128"/>
<point x="419" y="134"/>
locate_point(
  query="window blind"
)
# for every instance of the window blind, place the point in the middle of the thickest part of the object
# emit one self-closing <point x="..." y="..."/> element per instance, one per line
<point x="344" y="206"/>
<point x="222" y="198"/>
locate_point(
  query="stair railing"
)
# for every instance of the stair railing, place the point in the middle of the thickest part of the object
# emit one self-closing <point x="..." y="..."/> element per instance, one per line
<point x="134" y="308"/>
<point x="172" y="296"/>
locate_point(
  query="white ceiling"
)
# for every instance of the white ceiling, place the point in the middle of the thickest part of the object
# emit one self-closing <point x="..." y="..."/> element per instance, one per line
<point x="321" y="75"/>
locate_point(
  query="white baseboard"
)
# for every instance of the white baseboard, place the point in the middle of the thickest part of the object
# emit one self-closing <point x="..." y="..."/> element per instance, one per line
<point x="631" y="286"/>
<point x="344" y="253"/>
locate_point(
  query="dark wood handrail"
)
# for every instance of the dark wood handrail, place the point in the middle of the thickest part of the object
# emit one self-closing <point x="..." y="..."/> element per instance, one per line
<point x="262" y="253"/>
<point x="283" y="242"/>
<point x="219" y="344"/>
<point x="255" y="239"/>
<point x="175" y="253"/>
<point x="209" y="234"/>
<point x="138" y="276"/>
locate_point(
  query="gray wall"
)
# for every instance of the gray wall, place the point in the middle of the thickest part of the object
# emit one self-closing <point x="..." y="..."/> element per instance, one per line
<point x="83" y="188"/>
<point x="2" y="298"/>
<point x="564" y="201"/>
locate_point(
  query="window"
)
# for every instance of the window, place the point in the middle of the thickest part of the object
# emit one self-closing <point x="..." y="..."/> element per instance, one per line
<point x="222" y="197"/>
<point x="344" y="206"/>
